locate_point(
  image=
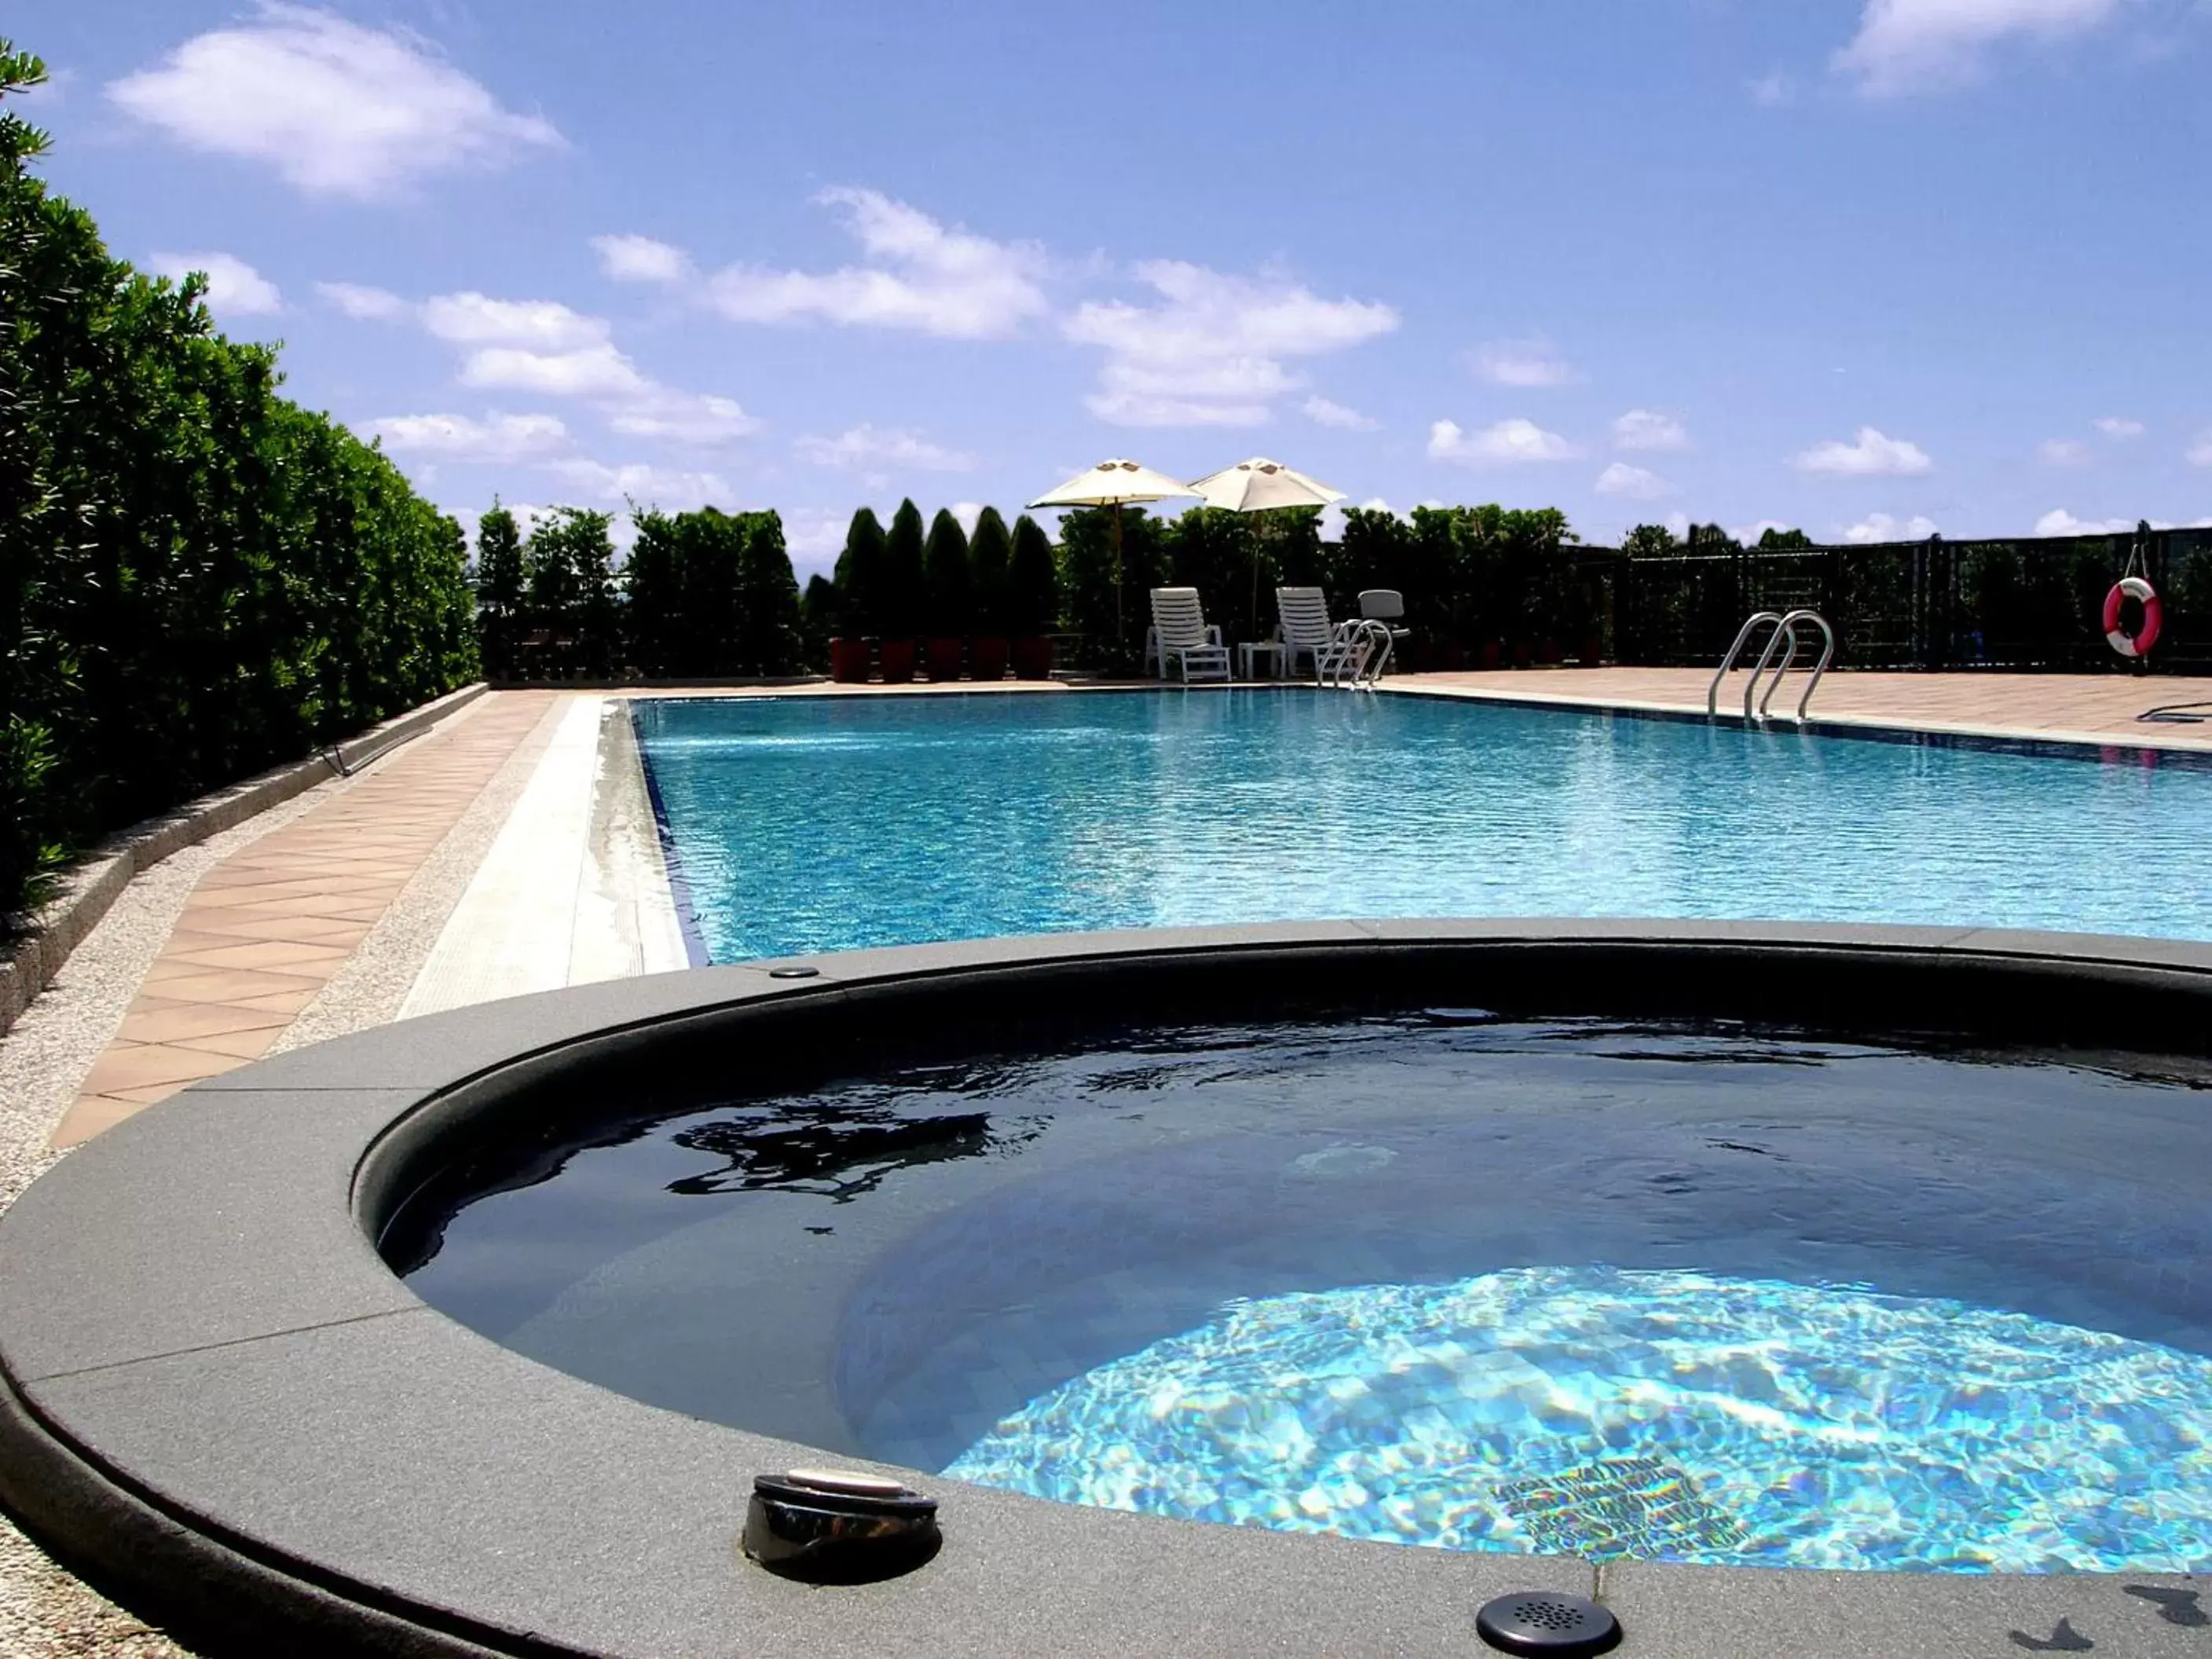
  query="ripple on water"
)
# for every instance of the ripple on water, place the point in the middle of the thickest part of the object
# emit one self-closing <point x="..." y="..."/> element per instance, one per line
<point x="1674" y="1415"/>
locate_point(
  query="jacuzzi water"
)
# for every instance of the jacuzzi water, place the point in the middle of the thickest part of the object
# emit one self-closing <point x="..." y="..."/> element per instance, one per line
<point x="825" y="823"/>
<point x="1694" y="1293"/>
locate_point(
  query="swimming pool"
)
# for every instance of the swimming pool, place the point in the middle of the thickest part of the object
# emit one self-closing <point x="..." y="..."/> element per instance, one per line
<point x="1658" y="1289"/>
<point x="801" y="824"/>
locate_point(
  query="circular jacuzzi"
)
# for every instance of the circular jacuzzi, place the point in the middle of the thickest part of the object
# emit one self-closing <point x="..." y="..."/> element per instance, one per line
<point x="1294" y="1288"/>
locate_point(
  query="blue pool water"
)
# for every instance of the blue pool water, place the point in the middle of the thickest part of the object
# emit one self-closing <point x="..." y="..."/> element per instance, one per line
<point x="807" y="824"/>
<point x="1667" y="1290"/>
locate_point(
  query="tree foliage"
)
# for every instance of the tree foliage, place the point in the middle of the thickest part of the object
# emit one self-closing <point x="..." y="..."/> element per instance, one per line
<point x="948" y="586"/>
<point x="902" y="599"/>
<point x="1032" y="581"/>
<point x="990" y="555"/>
<point x="197" y="577"/>
<point x="860" y="574"/>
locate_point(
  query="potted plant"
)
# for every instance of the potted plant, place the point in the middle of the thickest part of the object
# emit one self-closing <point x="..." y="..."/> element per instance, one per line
<point x="990" y="555"/>
<point x="903" y="595"/>
<point x="947" y="598"/>
<point x="1032" y="600"/>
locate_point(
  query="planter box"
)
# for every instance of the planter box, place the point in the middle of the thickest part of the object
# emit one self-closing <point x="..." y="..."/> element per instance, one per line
<point x="848" y="661"/>
<point x="1033" y="658"/>
<point x="944" y="658"/>
<point x="898" y="656"/>
<point x="987" y="658"/>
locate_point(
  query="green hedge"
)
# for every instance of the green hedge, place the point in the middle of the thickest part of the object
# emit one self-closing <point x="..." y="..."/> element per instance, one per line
<point x="197" y="577"/>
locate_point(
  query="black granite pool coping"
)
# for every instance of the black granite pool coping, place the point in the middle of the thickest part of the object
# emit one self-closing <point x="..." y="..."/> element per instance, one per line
<point x="219" y="1404"/>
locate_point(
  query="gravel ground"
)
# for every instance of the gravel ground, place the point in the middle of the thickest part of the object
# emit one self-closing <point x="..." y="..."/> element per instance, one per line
<point x="45" y="1612"/>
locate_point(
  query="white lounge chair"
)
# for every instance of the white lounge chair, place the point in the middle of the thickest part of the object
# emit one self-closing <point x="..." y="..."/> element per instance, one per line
<point x="1180" y="632"/>
<point x="1305" y="630"/>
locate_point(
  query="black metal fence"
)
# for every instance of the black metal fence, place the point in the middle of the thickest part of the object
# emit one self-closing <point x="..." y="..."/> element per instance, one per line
<point x="2033" y="603"/>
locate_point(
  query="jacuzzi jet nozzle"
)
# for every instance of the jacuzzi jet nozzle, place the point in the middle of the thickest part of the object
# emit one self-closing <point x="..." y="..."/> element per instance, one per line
<point x="1546" y="1622"/>
<point x="833" y="1527"/>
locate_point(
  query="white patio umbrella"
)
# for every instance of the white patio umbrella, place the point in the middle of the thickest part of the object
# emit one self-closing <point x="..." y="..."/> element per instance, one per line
<point x="1116" y="483"/>
<point x="1256" y="486"/>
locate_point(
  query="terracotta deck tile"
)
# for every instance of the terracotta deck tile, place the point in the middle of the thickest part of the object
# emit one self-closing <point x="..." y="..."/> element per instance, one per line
<point x="294" y="954"/>
<point x="235" y="984"/>
<point x="93" y="1113"/>
<point x="180" y="1021"/>
<point x="287" y="1003"/>
<point x="232" y="1045"/>
<point x="144" y="1065"/>
<point x="314" y="930"/>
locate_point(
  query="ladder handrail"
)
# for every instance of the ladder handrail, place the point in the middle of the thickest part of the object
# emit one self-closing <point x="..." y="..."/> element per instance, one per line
<point x="1713" y="692"/>
<point x="1784" y="634"/>
<point x="1827" y="656"/>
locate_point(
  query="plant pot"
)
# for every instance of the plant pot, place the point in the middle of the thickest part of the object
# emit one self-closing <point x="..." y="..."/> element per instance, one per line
<point x="897" y="658"/>
<point x="1549" y="655"/>
<point x="1523" y="654"/>
<point x="848" y="661"/>
<point x="942" y="652"/>
<point x="1489" y="653"/>
<point x="1033" y="658"/>
<point x="987" y="658"/>
<point x="1593" y="650"/>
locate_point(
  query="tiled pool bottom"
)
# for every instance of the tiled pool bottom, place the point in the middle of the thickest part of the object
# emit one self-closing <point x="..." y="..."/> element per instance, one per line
<point x="1667" y="1415"/>
<point x="1440" y="1277"/>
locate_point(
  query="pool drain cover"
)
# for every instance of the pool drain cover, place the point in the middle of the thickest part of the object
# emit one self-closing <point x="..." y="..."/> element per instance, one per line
<point x="1546" y="1622"/>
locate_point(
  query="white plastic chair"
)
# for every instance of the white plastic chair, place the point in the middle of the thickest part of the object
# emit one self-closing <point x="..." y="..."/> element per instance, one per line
<point x="1180" y="632"/>
<point x="1305" y="630"/>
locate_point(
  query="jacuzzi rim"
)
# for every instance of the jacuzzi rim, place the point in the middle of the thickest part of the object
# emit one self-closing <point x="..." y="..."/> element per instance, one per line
<point x="229" y="1411"/>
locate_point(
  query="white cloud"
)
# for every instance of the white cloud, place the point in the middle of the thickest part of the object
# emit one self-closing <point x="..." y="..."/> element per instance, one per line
<point x="2063" y="452"/>
<point x="2060" y="522"/>
<point x="1634" y="482"/>
<point x="1748" y="534"/>
<point x="1881" y="527"/>
<point x="234" y="288"/>
<point x="967" y="513"/>
<point x="1773" y="91"/>
<point x="1903" y="45"/>
<point x="640" y="259"/>
<point x="360" y="303"/>
<point x="1647" y="429"/>
<point x="498" y="438"/>
<point x="472" y="318"/>
<point x="1325" y="412"/>
<point x="944" y="281"/>
<point x="814" y="536"/>
<point x="1210" y="353"/>
<point x="2200" y="452"/>
<point x="683" y="417"/>
<point x="870" y="448"/>
<point x="335" y="108"/>
<point x="1871" y="454"/>
<point x="1677" y="525"/>
<point x="599" y="371"/>
<point x="543" y="347"/>
<point x="2116" y="426"/>
<point x="1509" y="443"/>
<point x="647" y="485"/>
<point x="1522" y="363"/>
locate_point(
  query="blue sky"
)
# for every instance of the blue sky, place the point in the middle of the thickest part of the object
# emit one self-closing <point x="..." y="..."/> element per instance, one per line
<point x="1873" y="267"/>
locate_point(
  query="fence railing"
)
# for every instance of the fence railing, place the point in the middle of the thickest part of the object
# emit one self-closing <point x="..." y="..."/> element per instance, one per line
<point x="2031" y="603"/>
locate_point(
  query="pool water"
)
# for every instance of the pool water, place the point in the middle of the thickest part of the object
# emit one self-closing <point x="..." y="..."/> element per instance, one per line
<point x="1688" y="1292"/>
<point x="801" y="824"/>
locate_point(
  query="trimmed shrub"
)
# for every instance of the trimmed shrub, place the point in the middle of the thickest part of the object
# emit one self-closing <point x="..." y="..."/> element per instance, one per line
<point x="903" y="612"/>
<point x="1032" y="581"/>
<point x="990" y="555"/>
<point x="949" y="600"/>
<point x="861" y="574"/>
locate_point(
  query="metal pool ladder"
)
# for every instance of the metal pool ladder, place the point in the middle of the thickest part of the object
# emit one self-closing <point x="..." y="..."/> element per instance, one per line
<point x="1785" y="637"/>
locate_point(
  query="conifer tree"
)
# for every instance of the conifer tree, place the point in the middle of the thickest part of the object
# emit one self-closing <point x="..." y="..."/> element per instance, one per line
<point x="1032" y="580"/>
<point x="904" y="585"/>
<point x="990" y="552"/>
<point x="859" y="576"/>
<point x="949" y="600"/>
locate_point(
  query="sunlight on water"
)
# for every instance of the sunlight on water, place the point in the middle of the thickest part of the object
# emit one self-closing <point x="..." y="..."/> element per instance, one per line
<point x="1667" y="1414"/>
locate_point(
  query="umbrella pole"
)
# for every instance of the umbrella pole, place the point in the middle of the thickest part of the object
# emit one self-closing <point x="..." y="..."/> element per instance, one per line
<point x="1121" y="623"/>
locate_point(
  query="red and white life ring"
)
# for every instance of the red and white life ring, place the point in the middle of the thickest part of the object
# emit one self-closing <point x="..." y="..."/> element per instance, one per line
<point x="2139" y="643"/>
